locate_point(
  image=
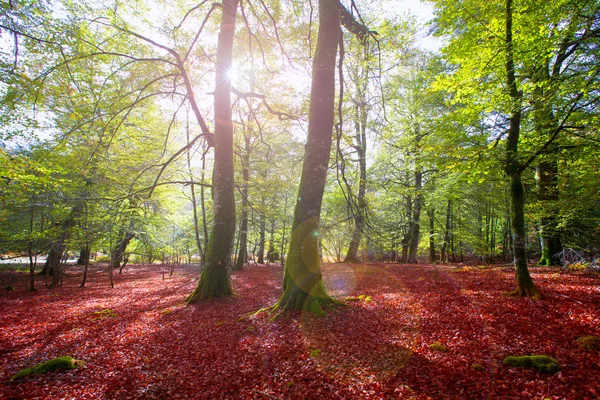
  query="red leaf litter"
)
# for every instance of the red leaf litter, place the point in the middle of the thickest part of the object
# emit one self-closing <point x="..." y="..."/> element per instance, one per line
<point x="377" y="347"/>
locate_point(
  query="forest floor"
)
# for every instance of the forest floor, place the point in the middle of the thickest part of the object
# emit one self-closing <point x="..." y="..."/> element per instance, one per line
<point x="149" y="345"/>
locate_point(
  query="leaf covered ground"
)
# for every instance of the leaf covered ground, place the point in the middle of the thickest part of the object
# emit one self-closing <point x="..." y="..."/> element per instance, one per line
<point x="139" y="341"/>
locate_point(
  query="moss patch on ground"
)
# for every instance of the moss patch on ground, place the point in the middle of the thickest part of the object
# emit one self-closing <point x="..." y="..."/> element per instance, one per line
<point x="589" y="343"/>
<point x="56" y="364"/>
<point x="537" y="362"/>
<point x="437" y="346"/>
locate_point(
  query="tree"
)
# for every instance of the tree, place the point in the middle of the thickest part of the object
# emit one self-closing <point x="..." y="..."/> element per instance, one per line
<point x="303" y="287"/>
<point x="214" y="281"/>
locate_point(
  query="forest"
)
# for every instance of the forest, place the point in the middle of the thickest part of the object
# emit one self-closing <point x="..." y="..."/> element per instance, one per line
<point x="300" y="199"/>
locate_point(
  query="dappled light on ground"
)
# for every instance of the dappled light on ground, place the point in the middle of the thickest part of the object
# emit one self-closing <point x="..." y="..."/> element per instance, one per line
<point x="139" y="341"/>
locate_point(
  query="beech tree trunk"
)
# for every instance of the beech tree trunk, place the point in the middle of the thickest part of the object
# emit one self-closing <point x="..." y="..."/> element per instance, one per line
<point x="431" y="214"/>
<point x="243" y="242"/>
<point x="547" y="182"/>
<point x="415" y="230"/>
<point x="53" y="266"/>
<point x="303" y="287"/>
<point x="513" y="168"/>
<point x="119" y="251"/>
<point x="84" y="255"/>
<point x="85" y="268"/>
<point x="444" y="253"/>
<point x="214" y="281"/>
<point x="359" y="205"/>
<point x="261" y="242"/>
<point x="407" y="233"/>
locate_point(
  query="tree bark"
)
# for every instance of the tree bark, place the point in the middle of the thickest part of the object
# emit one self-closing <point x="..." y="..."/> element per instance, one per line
<point x="303" y="287"/>
<point x="53" y="266"/>
<point x="214" y="281"/>
<point x="360" y="127"/>
<point x="261" y="242"/>
<point x="243" y="242"/>
<point x="444" y="254"/>
<point x="513" y="169"/>
<point x="84" y="255"/>
<point x="547" y="182"/>
<point x="407" y="233"/>
<point x="85" y="268"/>
<point x="415" y="230"/>
<point x="119" y="251"/>
<point x="431" y="213"/>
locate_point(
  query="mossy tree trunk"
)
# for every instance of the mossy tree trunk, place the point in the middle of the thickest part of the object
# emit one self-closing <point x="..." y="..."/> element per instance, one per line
<point x="303" y="287"/>
<point x="514" y="170"/>
<point x="214" y="281"/>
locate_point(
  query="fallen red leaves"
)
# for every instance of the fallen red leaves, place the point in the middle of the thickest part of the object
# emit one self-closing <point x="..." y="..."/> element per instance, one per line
<point x="146" y="344"/>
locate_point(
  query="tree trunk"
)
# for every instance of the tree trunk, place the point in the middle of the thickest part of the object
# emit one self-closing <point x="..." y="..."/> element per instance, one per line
<point x="303" y="287"/>
<point x="87" y="263"/>
<point x="271" y="255"/>
<point x="261" y="242"/>
<point x="193" y="195"/>
<point x="444" y="254"/>
<point x="84" y="255"/>
<point x="119" y="251"/>
<point x="415" y="231"/>
<point x="243" y="242"/>
<point x="214" y="281"/>
<point x="407" y="233"/>
<point x="360" y="127"/>
<point x="431" y="213"/>
<point x="547" y="182"/>
<point x="524" y="283"/>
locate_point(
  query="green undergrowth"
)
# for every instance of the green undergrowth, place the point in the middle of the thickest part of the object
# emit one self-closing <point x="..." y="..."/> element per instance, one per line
<point x="56" y="364"/>
<point x="589" y="343"/>
<point x="537" y="362"/>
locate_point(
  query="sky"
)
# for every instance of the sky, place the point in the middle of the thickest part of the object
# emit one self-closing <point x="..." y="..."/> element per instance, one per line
<point x="423" y="11"/>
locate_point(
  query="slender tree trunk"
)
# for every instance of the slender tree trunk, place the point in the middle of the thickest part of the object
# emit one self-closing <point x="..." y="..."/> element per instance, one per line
<point x="431" y="213"/>
<point x="214" y="281"/>
<point x="193" y="195"/>
<point x="360" y="126"/>
<point x="303" y="287"/>
<point x="444" y="254"/>
<point x="408" y="232"/>
<point x="524" y="283"/>
<point x="87" y="263"/>
<point x="415" y="231"/>
<point x="243" y="240"/>
<point x="261" y="242"/>
<point x="271" y="252"/>
<point x="203" y="209"/>
<point x="547" y="182"/>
